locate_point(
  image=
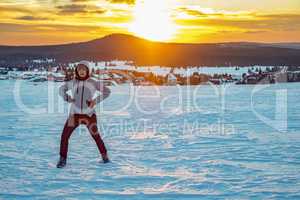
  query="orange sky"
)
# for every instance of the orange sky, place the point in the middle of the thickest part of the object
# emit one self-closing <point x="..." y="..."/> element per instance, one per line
<point x="37" y="22"/>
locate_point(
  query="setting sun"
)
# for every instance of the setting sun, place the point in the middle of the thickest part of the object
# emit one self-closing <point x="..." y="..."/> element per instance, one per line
<point x="189" y="21"/>
<point x="152" y="20"/>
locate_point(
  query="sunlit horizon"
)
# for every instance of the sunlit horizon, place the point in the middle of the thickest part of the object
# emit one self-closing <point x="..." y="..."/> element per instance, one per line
<point x="51" y="22"/>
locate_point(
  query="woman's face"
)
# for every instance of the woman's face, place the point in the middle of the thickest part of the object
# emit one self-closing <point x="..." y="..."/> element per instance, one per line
<point x="82" y="71"/>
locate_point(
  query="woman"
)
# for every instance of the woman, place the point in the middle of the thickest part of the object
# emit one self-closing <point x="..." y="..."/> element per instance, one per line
<point x="82" y="111"/>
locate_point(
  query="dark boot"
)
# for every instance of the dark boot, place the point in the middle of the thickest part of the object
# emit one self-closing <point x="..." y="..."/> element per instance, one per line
<point x="62" y="162"/>
<point x="105" y="158"/>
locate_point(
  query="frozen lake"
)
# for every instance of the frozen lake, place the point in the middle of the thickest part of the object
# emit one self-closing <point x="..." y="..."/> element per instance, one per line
<point x="237" y="142"/>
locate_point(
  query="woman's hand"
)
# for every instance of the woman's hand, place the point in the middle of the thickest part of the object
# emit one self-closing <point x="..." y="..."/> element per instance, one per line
<point x="69" y="99"/>
<point x="91" y="103"/>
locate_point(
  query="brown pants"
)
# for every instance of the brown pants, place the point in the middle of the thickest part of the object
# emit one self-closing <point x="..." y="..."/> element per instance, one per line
<point x="72" y="123"/>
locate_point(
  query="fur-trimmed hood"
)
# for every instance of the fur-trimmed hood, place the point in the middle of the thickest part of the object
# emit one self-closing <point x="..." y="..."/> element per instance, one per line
<point x="88" y="67"/>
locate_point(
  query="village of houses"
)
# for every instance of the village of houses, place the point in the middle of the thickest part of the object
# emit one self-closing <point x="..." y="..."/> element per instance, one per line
<point x="125" y="72"/>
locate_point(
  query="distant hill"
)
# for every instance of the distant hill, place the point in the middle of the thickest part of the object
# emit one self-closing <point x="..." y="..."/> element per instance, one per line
<point x="144" y="52"/>
<point x="285" y="45"/>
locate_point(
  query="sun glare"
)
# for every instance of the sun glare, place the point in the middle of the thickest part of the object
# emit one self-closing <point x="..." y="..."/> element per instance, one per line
<point x="152" y="20"/>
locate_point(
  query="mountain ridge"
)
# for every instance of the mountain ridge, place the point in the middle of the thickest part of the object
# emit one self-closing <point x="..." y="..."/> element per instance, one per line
<point x="123" y="35"/>
<point x="146" y="52"/>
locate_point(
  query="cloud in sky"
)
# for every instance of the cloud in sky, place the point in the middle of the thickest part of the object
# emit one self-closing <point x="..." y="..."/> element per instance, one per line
<point x="52" y="34"/>
<point x="31" y="18"/>
<point x="241" y="20"/>
<point x="122" y="1"/>
<point x="196" y="21"/>
<point x="71" y="9"/>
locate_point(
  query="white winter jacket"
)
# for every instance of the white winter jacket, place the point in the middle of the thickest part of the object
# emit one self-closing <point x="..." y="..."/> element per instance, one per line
<point x="79" y="93"/>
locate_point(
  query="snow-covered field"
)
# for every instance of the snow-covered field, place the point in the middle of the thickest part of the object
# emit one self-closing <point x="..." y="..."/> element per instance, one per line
<point x="238" y="142"/>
